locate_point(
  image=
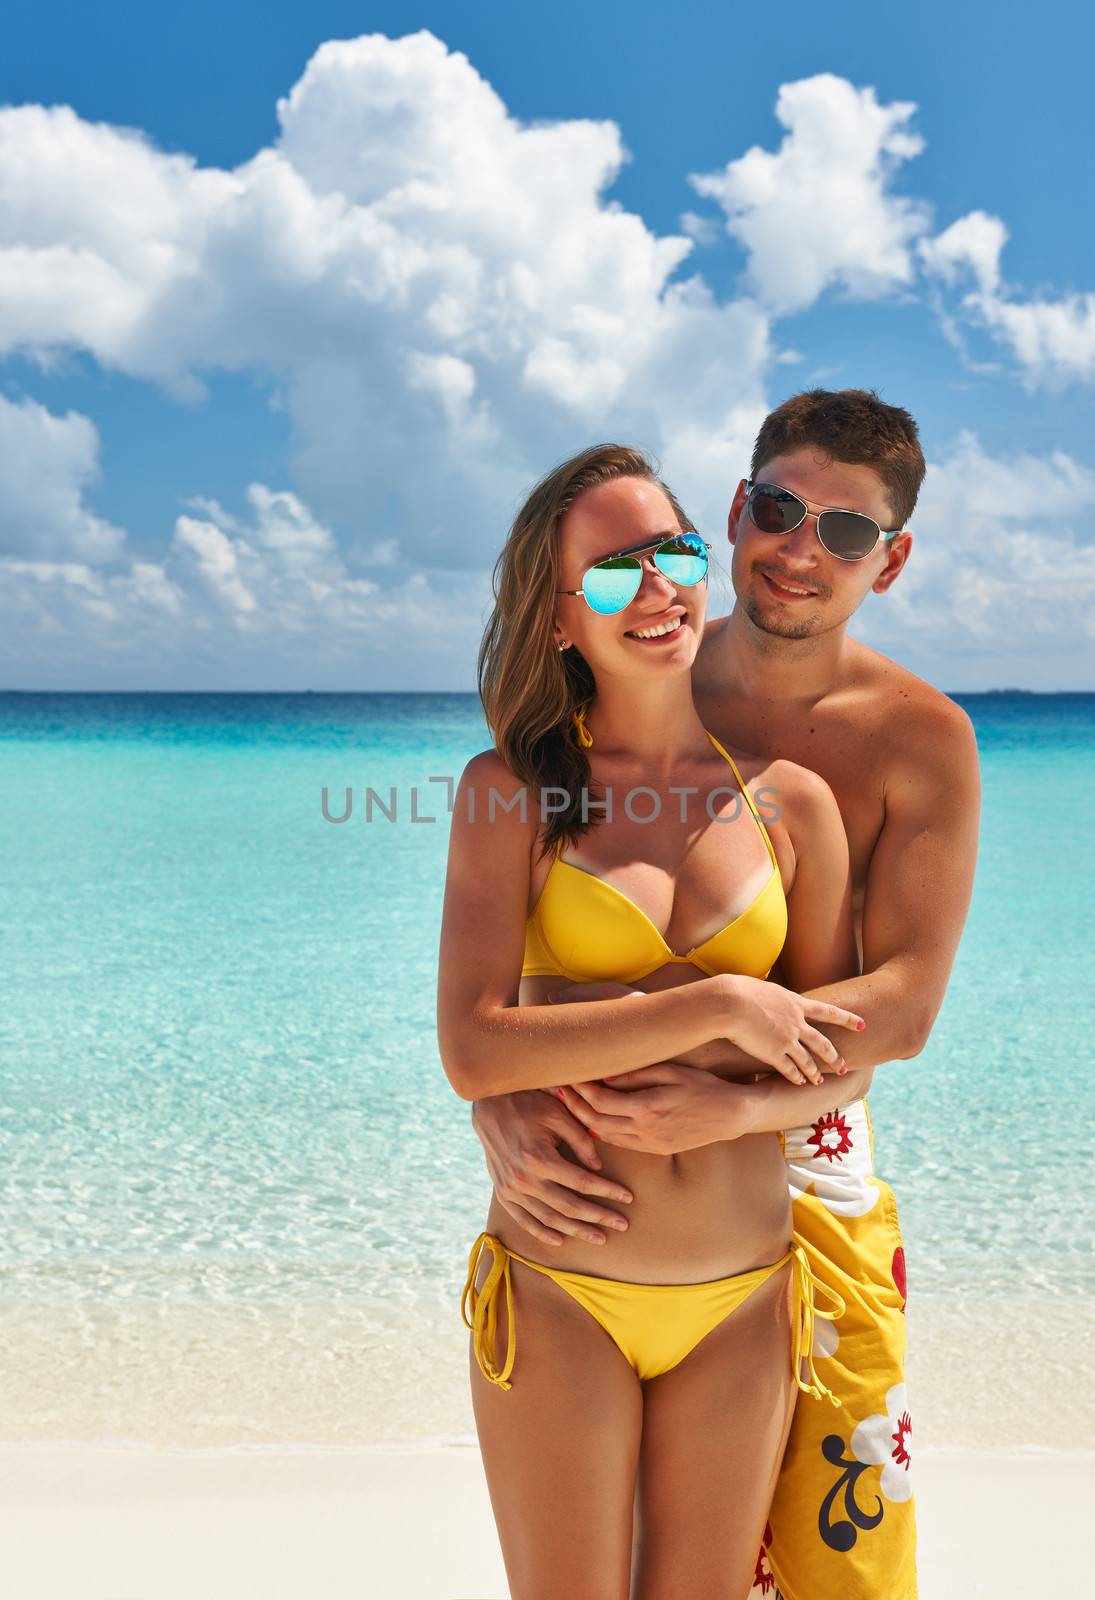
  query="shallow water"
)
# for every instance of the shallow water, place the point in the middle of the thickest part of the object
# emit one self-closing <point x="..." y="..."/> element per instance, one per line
<point x="219" y="1085"/>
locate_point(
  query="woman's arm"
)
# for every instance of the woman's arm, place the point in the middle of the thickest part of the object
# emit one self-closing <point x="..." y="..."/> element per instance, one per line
<point x="820" y="945"/>
<point x="490" y="1045"/>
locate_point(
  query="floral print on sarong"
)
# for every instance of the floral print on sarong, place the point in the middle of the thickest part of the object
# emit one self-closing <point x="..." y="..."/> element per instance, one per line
<point x="842" y="1522"/>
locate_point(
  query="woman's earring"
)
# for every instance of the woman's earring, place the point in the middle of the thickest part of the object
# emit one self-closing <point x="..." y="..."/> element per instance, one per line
<point x="565" y="645"/>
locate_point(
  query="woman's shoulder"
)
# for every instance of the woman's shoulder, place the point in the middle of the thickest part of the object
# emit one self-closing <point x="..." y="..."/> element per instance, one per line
<point x="777" y="772"/>
<point x="490" y="790"/>
<point x="808" y="807"/>
<point x="488" y="767"/>
<point x="785" y="791"/>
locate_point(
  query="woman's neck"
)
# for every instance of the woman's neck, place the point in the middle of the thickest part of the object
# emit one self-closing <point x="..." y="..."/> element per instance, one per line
<point x="656" y="723"/>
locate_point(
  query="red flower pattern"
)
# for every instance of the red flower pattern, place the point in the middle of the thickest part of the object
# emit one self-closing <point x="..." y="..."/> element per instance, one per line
<point x="900" y="1438"/>
<point x="900" y="1280"/>
<point x="831" y="1136"/>
<point x="763" y="1577"/>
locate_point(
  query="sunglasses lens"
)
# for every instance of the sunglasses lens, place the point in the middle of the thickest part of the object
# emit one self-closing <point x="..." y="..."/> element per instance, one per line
<point x="847" y="534"/>
<point x="775" y="510"/>
<point x="611" y="585"/>
<point x="683" y="560"/>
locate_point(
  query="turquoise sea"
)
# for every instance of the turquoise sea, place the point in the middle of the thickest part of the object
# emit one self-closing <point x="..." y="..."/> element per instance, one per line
<point x="236" y="1191"/>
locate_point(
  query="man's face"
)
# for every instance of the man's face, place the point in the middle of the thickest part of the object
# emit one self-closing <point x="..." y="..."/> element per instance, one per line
<point x="771" y="571"/>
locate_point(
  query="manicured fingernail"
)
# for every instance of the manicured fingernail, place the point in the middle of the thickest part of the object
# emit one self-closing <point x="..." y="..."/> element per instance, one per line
<point x="594" y="1132"/>
<point x="560" y="1094"/>
<point x="860" y="1025"/>
<point x="841" y="1070"/>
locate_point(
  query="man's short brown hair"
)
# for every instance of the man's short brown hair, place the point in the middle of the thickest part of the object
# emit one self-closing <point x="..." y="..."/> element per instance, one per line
<point x="854" y="426"/>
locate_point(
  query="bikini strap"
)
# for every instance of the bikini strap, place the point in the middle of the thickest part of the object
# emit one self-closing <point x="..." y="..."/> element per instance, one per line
<point x="483" y="1306"/>
<point x="745" y="792"/>
<point x="582" y="733"/>
<point x="803" y="1318"/>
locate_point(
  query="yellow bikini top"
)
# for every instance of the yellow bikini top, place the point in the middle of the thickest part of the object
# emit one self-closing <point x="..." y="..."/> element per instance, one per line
<point x="583" y="929"/>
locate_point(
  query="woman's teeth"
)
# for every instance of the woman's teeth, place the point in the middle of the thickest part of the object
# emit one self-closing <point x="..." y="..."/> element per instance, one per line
<point x="656" y="633"/>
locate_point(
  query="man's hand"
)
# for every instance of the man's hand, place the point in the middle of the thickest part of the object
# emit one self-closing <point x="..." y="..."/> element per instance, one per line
<point x="545" y="1192"/>
<point x="660" y="1110"/>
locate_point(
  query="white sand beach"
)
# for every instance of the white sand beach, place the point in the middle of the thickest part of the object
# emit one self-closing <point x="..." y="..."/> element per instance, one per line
<point x="123" y="1476"/>
<point x="142" y="1522"/>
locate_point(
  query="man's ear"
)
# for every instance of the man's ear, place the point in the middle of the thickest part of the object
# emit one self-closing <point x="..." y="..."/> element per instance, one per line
<point x="737" y="507"/>
<point x="898" y="554"/>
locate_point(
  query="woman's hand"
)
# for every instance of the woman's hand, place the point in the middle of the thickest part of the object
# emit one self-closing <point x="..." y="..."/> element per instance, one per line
<point x="774" y="1025"/>
<point x="543" y="1191"/>
<point x="660" y="1110"/>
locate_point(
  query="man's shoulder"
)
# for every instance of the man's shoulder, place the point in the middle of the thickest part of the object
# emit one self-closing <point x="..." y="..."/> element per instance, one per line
<point x="912" y="710"/>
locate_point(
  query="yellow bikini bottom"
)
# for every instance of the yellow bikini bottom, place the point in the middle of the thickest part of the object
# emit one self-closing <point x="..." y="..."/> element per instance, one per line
<point x="654" y="1325"/>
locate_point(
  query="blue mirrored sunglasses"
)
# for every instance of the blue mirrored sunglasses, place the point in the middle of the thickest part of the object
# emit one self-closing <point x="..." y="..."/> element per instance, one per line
<point x="610" y="585"/>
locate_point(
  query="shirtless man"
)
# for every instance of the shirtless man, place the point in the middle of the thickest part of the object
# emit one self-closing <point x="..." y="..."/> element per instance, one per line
<point x="779" y="677"/>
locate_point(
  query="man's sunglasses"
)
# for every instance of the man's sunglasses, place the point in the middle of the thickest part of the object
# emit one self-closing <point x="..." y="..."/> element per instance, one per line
<point x="847" y="534"/>
<point x="611" y="585"/>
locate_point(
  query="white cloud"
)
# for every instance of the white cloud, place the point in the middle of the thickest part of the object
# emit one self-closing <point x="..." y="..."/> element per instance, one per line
<point x="47" y="465"/>
<point x="425" y="277"/>
<point x="1000" y="585"/>
<point x="239" y="602"/>
<point x="218" y="562"/>
<point x="1052" y="341"/>
<point x="280" y="573"/>
<point x="701" y="230"/>
<point x="821" y="212"/>
<point x="973" y="243"/>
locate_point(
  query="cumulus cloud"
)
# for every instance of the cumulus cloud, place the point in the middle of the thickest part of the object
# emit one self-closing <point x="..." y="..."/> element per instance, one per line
<point x="237" y="601"/>
<point x="972" y="244"/>
<point x="425" y="277"/>
<point x="1051" y="340"/>
<point x="1002" y="571"/>
<point x="821" y="211"/>
<point x="47" y="465"/>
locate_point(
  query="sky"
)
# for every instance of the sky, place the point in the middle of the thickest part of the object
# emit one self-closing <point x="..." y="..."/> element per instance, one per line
<point x="296" y="304"/>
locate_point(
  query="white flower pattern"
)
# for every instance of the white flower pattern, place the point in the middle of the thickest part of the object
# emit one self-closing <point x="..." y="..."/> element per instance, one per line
<point x="831" y="1158"/>
<point x="883" y="1441"/>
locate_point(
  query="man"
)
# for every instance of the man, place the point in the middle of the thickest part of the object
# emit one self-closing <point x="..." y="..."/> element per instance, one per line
<point x="780" y="677"/>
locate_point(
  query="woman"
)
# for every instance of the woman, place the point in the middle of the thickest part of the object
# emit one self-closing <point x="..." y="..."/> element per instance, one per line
<point x="607" y="835"/>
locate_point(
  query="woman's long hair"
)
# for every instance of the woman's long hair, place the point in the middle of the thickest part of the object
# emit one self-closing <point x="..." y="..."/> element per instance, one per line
<point x="529" y="688"/>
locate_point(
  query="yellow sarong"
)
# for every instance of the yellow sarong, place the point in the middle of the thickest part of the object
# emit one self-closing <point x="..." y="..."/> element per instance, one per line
<point x="842" y="1524"/>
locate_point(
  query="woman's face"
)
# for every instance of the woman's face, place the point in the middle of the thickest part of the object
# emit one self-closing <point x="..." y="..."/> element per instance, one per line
<point x="615" y="516"/>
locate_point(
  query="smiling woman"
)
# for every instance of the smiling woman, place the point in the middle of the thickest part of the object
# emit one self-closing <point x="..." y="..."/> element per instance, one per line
<point x="586" y="680"/>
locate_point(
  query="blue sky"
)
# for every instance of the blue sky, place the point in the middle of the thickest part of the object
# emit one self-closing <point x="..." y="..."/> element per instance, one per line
<point x="265" y="410"/>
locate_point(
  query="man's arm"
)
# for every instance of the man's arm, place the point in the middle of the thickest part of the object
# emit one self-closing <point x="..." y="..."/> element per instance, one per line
<point x="918" y="888"/>
<point x="532" y="1146"/>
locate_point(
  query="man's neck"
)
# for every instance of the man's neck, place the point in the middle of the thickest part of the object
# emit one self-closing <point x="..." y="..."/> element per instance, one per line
<point x="735" y="653"/>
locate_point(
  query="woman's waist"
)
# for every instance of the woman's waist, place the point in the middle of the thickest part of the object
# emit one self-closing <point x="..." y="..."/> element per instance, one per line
<point x="702" y="1214"/>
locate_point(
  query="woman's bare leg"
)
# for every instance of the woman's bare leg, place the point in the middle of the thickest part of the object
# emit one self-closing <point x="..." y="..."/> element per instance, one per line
<point x="714" y="1432"/>
<point x="560" y="1448"/>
